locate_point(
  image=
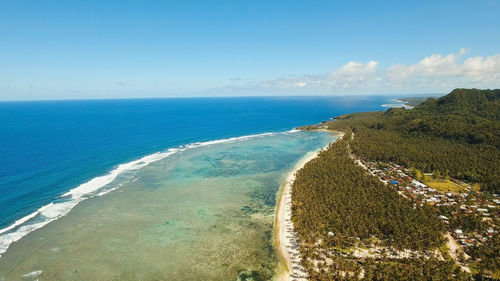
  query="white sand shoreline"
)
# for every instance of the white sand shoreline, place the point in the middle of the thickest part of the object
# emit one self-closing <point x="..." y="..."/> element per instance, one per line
<point x="287" y="240"/>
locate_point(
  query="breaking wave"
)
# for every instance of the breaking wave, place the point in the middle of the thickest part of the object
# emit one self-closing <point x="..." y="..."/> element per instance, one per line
<point x="97" y="186"/>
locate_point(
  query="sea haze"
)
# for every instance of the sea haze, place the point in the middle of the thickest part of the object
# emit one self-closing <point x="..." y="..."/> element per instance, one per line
<point x="49" y="148"/>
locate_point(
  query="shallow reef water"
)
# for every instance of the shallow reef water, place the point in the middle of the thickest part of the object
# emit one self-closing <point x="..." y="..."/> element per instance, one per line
<point x="204" y="213"/>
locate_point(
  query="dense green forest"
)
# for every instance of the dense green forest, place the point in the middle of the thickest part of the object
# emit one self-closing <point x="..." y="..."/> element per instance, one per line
<point x="337" y="205"/>
<point x="343" y="199"/>
<point x="339" y="208"/>
<point x="488" y="255"/>
<point x="404" y="270"/>
<point x="457" y="134"/>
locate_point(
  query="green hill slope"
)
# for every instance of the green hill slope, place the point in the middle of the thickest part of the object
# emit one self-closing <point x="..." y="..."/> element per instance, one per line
<point x="457" y="134"/>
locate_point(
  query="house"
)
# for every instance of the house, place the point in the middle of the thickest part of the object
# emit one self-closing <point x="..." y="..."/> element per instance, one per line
<point x="459" y="234"/>
<point x="432" y="200"/>
<point x="443" y="217"/>
<point x="416" y="183"/>
<point x="401" y="174"/>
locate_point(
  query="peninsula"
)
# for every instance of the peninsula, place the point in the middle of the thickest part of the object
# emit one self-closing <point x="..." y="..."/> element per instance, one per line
<point x="406" y="194"/>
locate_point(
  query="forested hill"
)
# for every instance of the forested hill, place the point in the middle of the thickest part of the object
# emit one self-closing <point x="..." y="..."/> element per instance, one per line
<point x="467" y="115"/>
<point x="468" y="102"/>
<point x="457" y="134"/>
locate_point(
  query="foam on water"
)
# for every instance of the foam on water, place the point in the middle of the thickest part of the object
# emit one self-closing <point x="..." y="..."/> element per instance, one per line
<point x="98" y="182"/>
<point x="94" y="187"/>
<point x="33" y="274"/>
<point x="397" y="104"/>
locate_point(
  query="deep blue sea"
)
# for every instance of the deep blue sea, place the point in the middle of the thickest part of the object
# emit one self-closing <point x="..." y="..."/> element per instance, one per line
<point x="49" y="147"/>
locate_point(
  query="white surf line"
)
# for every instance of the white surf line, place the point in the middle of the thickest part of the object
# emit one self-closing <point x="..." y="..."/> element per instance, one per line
<point x="70" y="199"/>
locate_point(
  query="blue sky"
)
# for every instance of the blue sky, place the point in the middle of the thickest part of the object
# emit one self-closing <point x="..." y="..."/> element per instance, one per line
<point x="111" y="49"/>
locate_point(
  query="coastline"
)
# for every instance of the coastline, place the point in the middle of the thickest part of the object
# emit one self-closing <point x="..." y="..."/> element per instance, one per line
<point x="223" y="222"/>
<point x="96" y="187"/>
<point x="285" y="237"/>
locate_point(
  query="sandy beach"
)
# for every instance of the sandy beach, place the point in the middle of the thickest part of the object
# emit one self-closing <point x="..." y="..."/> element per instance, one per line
<point x="286" y="238"/>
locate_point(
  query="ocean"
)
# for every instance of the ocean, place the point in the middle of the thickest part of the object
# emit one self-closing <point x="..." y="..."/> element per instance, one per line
<point x="180" y="188"/>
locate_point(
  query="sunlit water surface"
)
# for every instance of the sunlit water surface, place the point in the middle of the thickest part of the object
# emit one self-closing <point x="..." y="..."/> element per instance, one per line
<point x="205" y="213"/>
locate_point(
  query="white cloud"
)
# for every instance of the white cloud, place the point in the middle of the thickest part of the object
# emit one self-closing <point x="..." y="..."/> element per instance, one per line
<point x="353" y="68"/>
<point x="478" y="66"/>
<point x="442" y="72"/>
<point x="353" y="74"/>
<point x="435" y="73"/>
<point x="435" y="65"/>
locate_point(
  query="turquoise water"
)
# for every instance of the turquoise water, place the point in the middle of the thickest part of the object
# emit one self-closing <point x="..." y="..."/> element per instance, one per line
<point x="55" y="154"/>
<point x="201" y="213"/>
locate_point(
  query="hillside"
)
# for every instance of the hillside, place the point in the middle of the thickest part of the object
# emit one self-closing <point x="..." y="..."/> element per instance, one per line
<point x="457" y="135"/>
<point x="384" y="202"/>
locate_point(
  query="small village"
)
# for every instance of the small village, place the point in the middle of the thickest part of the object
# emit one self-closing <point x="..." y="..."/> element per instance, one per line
<point x="454" y="202"/>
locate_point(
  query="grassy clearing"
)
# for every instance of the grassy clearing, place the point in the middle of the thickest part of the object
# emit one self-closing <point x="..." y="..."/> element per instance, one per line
<point x="444" y="185"/>
<point x="349" y="250"/>
<point x="473" y="268"/>
<point x="444" y="251"/>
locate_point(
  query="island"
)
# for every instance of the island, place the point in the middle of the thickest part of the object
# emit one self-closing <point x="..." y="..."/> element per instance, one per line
<point x="404" y="194"/>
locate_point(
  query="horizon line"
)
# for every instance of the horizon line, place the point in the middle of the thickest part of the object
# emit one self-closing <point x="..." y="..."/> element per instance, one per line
<point x="213" y="97"/>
